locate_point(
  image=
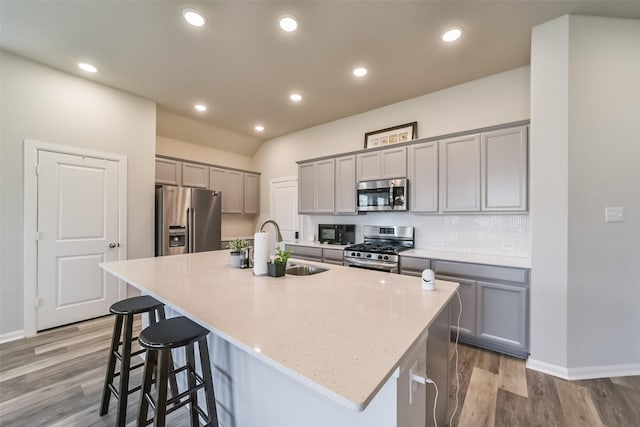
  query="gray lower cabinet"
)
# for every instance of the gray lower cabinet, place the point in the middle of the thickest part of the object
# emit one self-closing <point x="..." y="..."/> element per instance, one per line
<point x="305" y="252"/>
<point x="333" y="256"/>
<point x="411" y="266"/>
<point x="495" y="305"/>
<point x="467" y="290"/>
<point x="502" y="314"/>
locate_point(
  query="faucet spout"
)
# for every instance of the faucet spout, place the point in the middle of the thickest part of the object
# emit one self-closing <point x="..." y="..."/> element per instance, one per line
<point x="275" y="224"/>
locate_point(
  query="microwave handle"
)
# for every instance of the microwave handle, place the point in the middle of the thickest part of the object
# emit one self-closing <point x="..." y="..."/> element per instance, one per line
<point x="392" y="202"/>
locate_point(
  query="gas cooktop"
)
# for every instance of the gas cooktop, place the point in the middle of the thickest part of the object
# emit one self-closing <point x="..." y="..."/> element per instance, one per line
<point x="376" y="248"/>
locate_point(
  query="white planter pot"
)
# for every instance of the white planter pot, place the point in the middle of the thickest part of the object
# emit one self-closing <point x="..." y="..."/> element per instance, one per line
<point x="234" y="259"/>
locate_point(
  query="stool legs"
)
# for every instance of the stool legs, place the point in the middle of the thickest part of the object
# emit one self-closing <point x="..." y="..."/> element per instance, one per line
<point x="147" y="381"/>
<point x="191" y="363"/>
<point x="115" y="340"/>
<point x="203" y="349"/>
<point x="124" y="370"/>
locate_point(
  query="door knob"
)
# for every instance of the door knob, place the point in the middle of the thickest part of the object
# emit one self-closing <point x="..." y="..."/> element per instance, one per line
<point x="113" y="245"/>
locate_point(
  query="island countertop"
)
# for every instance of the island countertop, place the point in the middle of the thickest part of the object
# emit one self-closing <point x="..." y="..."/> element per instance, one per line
<point x="341" y="332"/>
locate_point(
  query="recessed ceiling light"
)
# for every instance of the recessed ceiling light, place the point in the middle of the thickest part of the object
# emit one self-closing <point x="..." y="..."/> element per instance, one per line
<point x="288" y="23"/>
<point x="200" y="107"/>
<point x="360" y="72"/>
<point x="295" y="97"/>
<point x="194" y="17"/>
<point x="87" y="67"/>
<point x="452" y="35"/>
<point x="259" y="128"/>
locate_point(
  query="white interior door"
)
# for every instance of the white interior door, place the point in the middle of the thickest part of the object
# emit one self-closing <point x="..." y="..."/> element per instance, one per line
<point x="78" y="229"/>
<point x="284" y="206"/>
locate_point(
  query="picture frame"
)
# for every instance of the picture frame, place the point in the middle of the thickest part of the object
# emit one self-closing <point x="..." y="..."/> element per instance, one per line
<point x="392" y="135"/>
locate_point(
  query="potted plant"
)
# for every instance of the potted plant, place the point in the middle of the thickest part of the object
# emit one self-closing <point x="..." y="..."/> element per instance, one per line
<point x="235" y="246"/>
<point x="278" y="265"/>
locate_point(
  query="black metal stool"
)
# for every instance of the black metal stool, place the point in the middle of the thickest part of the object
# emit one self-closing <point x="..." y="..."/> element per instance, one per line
<point x="159" y="339"/>
<point x="124" y="311"/>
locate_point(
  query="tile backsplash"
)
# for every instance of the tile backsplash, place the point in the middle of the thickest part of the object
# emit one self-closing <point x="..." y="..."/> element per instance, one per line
<point x="483" y="234"/>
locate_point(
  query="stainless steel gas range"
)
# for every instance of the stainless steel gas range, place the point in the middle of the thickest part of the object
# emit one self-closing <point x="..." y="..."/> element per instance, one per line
<point x="380" y="248"/>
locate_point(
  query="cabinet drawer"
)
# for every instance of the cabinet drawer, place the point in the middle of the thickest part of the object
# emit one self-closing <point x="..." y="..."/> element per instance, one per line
<point x="333" y="256"/>
<point x="481" y="271"/>
<point x="413" y="266"/>
<point x="305" y="252"/>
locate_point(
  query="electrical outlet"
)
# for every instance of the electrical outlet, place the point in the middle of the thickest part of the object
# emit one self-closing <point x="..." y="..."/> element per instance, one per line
<point x="439" y="242"/>
<point x="413" y="386"/>
<point x="508" y="246"/>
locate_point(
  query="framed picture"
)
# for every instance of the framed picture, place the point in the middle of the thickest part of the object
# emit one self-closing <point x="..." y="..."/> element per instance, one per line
<point x="392" y="135"/>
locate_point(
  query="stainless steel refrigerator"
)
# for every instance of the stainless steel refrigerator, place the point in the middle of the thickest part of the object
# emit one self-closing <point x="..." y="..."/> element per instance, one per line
<point x="188" y="220"/>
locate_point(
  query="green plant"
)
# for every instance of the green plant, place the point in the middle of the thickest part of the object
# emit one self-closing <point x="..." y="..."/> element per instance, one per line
<point x="281" y="256"/>
<point x="238" y="244"/>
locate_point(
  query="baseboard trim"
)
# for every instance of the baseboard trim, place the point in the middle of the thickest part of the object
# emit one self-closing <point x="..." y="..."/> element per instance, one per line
<point x="584" y="373"/>
<point x="548" y="368"/>
<point x="11" y="336"/>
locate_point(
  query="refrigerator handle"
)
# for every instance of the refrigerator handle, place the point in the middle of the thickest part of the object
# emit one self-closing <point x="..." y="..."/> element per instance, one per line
<point x="189" y="231"/>
<point x="193" y="229"/>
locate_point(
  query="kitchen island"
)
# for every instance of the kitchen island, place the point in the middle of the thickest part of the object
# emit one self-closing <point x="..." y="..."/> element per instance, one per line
<point x="331" y="349"/>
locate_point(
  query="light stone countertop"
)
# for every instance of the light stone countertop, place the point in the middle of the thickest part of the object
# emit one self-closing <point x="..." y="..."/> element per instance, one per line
<point x="342" y="332"/>
<point x="314" y="244"/>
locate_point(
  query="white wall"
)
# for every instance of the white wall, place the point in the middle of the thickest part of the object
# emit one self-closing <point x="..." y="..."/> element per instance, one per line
<point x="604" y="170"/>
<point x="492" y="100"/>
<point x="47" y="105"/>
<point x="548" y="191"/>
<point x="584" y="156"/>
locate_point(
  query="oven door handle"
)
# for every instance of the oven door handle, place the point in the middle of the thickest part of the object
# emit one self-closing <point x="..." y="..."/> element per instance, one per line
<point x="372" y="264"/>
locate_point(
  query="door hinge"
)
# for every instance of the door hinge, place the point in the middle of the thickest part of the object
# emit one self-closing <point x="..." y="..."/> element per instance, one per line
<point x="38" y="235"/>
<point x="38" y="302"/>
<point x="37" y="169"/>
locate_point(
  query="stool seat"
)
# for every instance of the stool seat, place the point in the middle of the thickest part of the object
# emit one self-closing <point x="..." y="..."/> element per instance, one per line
<point x="171" y="333"/>
<point x="135" y="305"/>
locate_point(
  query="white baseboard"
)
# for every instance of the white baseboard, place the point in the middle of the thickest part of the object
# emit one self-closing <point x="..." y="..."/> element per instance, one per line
<point x="11" y="336"/>
<point x="584" y="373"/>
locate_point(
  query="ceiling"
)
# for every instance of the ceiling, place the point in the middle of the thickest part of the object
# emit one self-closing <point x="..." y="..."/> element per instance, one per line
<point x="243" y="67"/>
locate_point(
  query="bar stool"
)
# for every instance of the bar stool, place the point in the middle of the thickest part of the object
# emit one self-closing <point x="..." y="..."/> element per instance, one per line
<point x="124" y="311"/>
<point x="158" y="339"/>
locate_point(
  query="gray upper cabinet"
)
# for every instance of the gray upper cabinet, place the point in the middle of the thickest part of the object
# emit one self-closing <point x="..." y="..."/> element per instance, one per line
<point x="345" y="195"/>
<point x="504" y="170"/>
<point x="251" y="193"/>
<point x="422" y="168"/>
<point x="231" y="184"/>
<point x="316" y="187"/>
<point x="168" y="171"/>
<point x="460" y="174"/>
<point x="306" y="187"/>
<point x="382" y="164"/>
<point x="195" y="175"/>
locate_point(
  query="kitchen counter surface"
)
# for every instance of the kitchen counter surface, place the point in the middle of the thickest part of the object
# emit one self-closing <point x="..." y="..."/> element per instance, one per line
<point x="499" y="260"/>
<point x="342" y="332"/>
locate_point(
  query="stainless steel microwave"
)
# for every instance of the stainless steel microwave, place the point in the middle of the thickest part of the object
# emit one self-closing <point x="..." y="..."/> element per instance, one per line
<point x="383" y="195"/>
<point x="337" y="234"/>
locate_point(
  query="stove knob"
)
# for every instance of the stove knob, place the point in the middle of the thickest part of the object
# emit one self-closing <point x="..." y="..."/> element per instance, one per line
<point x="358" y="254"/>
<point x="386" y="257"/>
<point x="368" y="255"/>
<point x="353" y="254"/>
<point x="380" y="257"/>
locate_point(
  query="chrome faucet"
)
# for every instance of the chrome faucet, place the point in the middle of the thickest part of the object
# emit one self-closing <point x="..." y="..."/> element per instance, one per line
<point x="275" y="224"/>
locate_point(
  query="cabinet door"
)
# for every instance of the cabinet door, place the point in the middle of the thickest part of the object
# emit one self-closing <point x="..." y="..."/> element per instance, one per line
<point x="393" y="163"/>
<point x="195" y="175"/>
<point x="234" y="189"/>
<point x="168" y="171"/>
<point x="422" y="160"/>
<point x="467" y="290"/>
<point x="216" y="180"/>
<point x="251" y="193"/>
<point x="502" y="314"/>
<point x="306" y="187"/>
<point x="504" y="170"/>
<point x="305" y="252"/>
<point x="460" y="174"/>
<point x="333" y="256"/>
<point x="325" y="186"/>
<point x="411" y="266"/>
<point x="368" y="166"/>
<point x="345" y="184"/>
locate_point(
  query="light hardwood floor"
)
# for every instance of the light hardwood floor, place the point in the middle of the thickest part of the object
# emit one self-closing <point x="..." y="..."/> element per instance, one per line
<point x="56" y="378"/>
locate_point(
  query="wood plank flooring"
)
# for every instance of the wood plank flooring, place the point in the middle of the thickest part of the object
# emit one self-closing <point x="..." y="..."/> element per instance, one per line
<point x="56" y="378"/>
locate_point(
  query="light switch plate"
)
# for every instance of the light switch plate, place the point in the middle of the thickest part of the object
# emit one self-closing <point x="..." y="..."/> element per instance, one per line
<point x="613" y="214"/>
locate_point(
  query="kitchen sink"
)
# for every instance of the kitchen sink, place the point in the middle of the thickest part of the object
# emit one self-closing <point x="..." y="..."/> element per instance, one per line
<point x="303" y="269"/>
